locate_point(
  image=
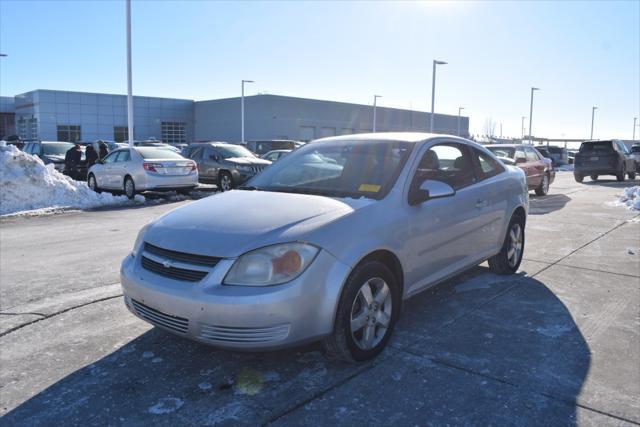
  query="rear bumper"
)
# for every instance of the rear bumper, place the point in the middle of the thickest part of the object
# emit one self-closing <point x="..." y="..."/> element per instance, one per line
<point x="166" y="183"/>
<point x="592" y="170"/>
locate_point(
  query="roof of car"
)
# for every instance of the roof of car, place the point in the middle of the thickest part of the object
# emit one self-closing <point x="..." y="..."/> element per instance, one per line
<point x="387" y="136"/>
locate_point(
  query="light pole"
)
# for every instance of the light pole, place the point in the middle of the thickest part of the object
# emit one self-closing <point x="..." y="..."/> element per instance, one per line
<point x="593" y="113"/>
<point x="522" y="126"/>
<point x="459" y="110"/>
<point x="433" y="91"/>
<point x="531" y="115"/>
<point x="635" y="119"/>
<point x="129" y="84"/>
<point x="242" y="108"/>
<point x="375" y="98"/>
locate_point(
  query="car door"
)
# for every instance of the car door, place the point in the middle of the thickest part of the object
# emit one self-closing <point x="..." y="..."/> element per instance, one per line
<point x="104" y="174"/>
<point x="120" y="168"/>
<point x="626" y="155"/>
<point x="445" y="232"/>
<point x="535" y="165"/>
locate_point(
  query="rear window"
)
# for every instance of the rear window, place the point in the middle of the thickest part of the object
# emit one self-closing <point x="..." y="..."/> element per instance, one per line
<point x="598" y="146"/>
<point x="151" y="153"/>
<point x="56" y="148"/>
<point x="555" y="150"/>
<point x="507" y="152"/>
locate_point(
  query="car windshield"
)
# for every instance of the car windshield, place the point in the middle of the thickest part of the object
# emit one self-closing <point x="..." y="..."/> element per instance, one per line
<point x="230" y="151"/>
<point x="337" y="169"/>
<point x="600" y="146"/>
<point x="150" y="153"/>
<point x="507" y="152"/>
<point x="56" y="148"/>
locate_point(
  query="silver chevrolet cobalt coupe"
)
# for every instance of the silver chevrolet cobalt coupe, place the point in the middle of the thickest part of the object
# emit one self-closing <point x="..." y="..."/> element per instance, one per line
<point x="326" y="243"/>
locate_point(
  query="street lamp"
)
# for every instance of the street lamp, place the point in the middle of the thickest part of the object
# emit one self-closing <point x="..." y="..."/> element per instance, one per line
<point x="593" y="112"/>
<point x="459" y="110"/>
<point x="129" y="84"/>
<point x="375" y="98"/>
<point x="433" y="91"/>
<point x="522" y="126"/>
<point x="242" y="108"/>
<point x="531" y="115"/>
<point x="635" y="119"/>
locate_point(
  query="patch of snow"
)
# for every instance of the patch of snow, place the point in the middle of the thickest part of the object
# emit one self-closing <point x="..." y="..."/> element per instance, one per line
<point x="396" y="376"/>
<point x="204" y="386"/>
<point x="630" y="198"/>
<point x="147" y="355"/>
<point x="166" y="405"/>
<point x="631" y="251"/>
<point x="29" y="185"/>
<point x="226" y="413"/>
<point x="156" y="360"/>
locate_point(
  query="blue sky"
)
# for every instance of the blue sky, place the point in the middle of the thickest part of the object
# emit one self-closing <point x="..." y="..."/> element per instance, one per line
<point x="580" y="54"/>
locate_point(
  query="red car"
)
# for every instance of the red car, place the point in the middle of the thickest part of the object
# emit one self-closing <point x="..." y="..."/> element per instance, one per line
<point x="537" y="168"/>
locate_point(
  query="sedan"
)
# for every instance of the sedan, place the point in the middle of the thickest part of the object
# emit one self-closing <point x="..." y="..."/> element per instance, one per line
<point x="133" y="170"/>
<point x="538" y="169"/>
<point x="282" y="260"/>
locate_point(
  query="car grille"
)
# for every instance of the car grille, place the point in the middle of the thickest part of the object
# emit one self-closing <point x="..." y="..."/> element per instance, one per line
<point x="208" y="261"/>
<point x="173" y="272"/>
<point x="175" y="323"/>
<point x="227" y="334"/>
<point x="257" y="169"/>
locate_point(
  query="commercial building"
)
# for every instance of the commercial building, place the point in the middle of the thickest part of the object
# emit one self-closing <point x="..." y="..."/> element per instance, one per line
<point x="75" y="116"/>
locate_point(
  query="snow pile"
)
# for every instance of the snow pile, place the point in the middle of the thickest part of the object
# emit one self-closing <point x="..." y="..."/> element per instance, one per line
<point x="26" y="184"/>
<point x="630" y="198"/>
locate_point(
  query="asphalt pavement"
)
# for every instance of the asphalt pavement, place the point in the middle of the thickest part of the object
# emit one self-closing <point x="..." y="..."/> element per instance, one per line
<point x="556" y="344"/>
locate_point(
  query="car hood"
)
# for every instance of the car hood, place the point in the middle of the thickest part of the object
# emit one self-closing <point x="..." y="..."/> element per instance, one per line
<point x="53" y="158"/>
<point x="231" y="223"/>
<point x="247" y="161"/>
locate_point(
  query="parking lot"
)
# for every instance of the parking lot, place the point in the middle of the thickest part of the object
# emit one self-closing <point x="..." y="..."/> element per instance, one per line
<point x="556" y="344"/>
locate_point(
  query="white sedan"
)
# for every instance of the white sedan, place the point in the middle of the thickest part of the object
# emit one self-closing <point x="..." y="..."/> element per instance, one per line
<point x="132" y="170"/>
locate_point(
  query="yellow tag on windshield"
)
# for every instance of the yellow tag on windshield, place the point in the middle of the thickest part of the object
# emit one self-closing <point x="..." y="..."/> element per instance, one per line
<point x="369" y="188"/>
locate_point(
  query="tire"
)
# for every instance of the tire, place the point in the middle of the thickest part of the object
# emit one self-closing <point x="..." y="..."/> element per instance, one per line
<point x="578" y="176"/>
<point x="543" y="188"/>
<point x="503" y="263"/>
<point x="631" y="175"/>
<point x="621" y="175"/>
<point x="594" y="177"/>
<point x="93" y="184"/>
<point x="374" y="325"/>
<point x="184" y="191"/>
<point x="225" y="181"/>
<point x="129" y="187"/>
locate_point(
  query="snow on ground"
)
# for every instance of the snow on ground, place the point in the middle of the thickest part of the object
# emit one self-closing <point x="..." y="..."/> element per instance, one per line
<point x="27" y="185"/>
<point x="630" y="198"/>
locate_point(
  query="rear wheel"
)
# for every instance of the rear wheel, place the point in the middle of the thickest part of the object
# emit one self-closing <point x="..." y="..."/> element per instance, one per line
<point x="594" y="177"/>
<point x="129" y="187"/>
<point x="367" y="313"/>
<point x="225" y="181"/>
<point x="92" y="183"/>
<point x="543" y="188"/>
<point x="620" y="175"/>
<point x="631" y="175"/>
<point x="510" y="256"/>
<point x="578" y="176"/>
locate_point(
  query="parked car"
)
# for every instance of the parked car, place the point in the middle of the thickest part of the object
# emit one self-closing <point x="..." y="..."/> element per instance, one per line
<point x="275" y="155"/>
<point x="53" y="152"/>
<point x="281" y="262"/>
<point x="193" y="146"/>
<point x="264" y="146"/>
<point x="538" y="169"/>
<point x="542" y="150"/>
<point x="609" y="157"/>
<point x="226" y="165"/>
<point x="635" y="155"/>
<point x="133" y="170"/>
<point x="559" y="155"/>
<point x="156" y="144"/>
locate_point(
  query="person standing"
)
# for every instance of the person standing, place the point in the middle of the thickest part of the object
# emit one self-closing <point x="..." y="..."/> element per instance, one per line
<point x="91" y="155"/>
<point x="104" y="150"/>
<point x="72" y="159"/>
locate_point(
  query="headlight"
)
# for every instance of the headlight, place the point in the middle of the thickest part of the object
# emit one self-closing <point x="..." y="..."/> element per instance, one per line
<point x="139" y="240"/>
<point x="271" y="265"/>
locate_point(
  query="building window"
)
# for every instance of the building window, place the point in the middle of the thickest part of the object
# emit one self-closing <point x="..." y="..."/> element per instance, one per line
<point x="120" y="133"/>
<point x="33" y="127"/>
<point x="307" y="133"/>
<point x="22" y="128"/>
<point x="346" y="131"/>
<point x="69" y="133"/>
<point x="28" y="128"/>
<point x="174" y="132"/>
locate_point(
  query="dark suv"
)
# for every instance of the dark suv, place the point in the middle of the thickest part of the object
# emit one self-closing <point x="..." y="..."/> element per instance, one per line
<point x="264" y="146"/>
<point x="597" y="158"/>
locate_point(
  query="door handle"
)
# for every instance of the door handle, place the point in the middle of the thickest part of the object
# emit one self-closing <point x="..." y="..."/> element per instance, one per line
<point x="481" y="204"/>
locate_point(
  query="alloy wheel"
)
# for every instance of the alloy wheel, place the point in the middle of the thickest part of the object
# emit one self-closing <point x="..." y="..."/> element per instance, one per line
<point x="128" y="188"/>
<point x="92" y="183"/>
<point x="515" y="245"/>
<point x="371" y="313"/>
<point x="225" y="182"/>
<point x="545" y="184"/>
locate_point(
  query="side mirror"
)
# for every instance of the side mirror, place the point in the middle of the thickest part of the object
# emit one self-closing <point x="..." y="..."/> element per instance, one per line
<point x="521" y="160"/>
<point x="430" y="189"/>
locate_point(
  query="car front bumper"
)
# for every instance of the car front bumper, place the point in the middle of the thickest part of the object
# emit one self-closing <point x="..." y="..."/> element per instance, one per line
<point x="238" y="317"/>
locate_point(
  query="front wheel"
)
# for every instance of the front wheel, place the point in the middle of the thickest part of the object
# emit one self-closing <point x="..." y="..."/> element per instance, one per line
<point x="594" y="177"/>
<point x="225" y="181"/>
<point x="543" y="188"/>
<point x="129" y="188"/>
<point x="367" y="313"/>
<point x="578" y="176"/>
<point x="621" y="174"/>
<point x="92" y="183"/>
<point x="510" y="256"/>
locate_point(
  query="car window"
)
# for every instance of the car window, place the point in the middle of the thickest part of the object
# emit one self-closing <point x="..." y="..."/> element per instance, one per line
<point x="520" y="154"/>
<point x="532" y="156"/>
<point x="124" y="156"/>
<point x="598" y="146"/>
<point x="151" y="153"/>
<point x="488" y="165"/>
<point x="196" y="153"/>
<point x="623" y="147"/>
<point x="450" y="163"/>
<point x="273" y="157"/>
<point x="111" y="157"/>
<point x="506" y="152"/>
<point x="635" y="149"/>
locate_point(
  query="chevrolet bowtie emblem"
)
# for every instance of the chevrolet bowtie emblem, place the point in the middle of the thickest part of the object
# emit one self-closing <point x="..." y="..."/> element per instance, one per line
<point x="167" y="264"/>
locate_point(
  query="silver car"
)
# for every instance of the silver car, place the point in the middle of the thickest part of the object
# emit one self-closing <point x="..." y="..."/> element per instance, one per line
<point x="137" y="169"/>
<point x="306" y="251"/>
